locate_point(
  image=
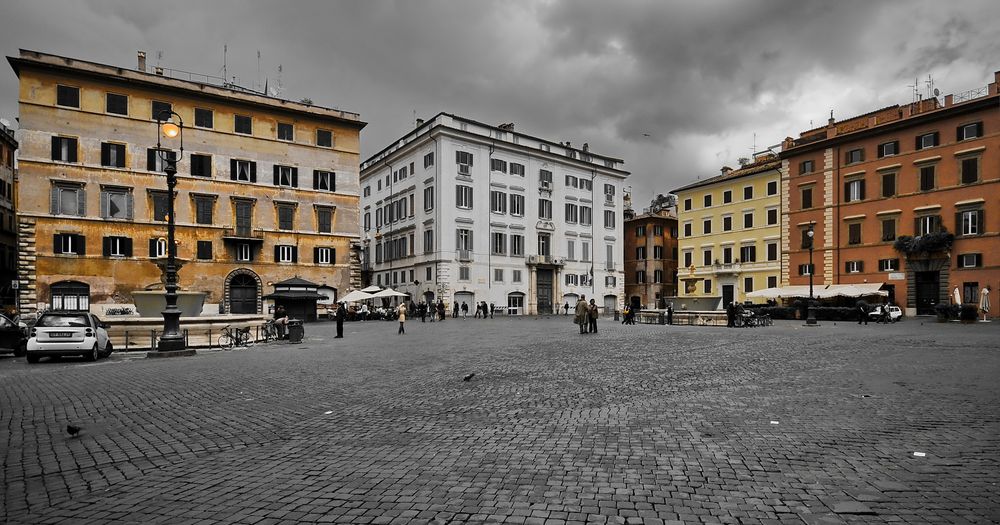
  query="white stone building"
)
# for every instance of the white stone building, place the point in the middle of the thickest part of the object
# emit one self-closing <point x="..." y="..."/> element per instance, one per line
<point x="467" y="212"/>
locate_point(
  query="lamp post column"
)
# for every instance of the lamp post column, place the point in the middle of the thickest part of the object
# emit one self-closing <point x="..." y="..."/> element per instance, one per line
<point x="172" y="339"/>
<point x="811" y="317"/>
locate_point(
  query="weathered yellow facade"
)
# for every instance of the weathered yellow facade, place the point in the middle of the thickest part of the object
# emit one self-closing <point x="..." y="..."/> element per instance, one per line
<point x="76" y="201"/>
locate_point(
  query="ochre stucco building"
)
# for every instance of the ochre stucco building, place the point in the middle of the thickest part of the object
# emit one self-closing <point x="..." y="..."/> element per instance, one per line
<point x="912" y="170"/>
<point x="267" y="188"/>
<point x="650" y="257"/>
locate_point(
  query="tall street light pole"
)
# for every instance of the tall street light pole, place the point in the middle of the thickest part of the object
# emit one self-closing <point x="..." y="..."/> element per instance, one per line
<point x="811" y="318"/>
<point x="172" y="341"/>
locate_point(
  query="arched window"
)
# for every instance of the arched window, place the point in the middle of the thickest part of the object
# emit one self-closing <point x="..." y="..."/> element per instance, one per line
<point x="70" y="295"/>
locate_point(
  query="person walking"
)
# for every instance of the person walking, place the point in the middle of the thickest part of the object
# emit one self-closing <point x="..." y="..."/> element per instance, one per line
<point x="422" y="311"/>
<point x="402" y="318"/>
<point x="454" y="310"/>
<point x="592" y="317"/>
<point x="730" y="315"/>
<point x="281" y="321"/>
<point x="341" y="314"/>
<point x="486" y="309"/>
<point x="670" y="314"/>
<point x="566" y="307"/>
<point x="441" y="309"/>
<point x="493" y="309"/>
<point x="625" y="312"/>
<point x="582" y="313"/>
<point x="465" y="310"/>
<point x="862" y="313"/>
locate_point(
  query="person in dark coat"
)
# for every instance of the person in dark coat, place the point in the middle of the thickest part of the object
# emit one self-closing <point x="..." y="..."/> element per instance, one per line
<point x="341" y="314"/>
<point x="493" y="309"/>
<point x="440" y="310"/>
<point x="862" y="313"/>
<point x="731" y="315"/>
<point x="592" y="314"/>
<point x="670" y="313"/>
<point x="454" y="310"/>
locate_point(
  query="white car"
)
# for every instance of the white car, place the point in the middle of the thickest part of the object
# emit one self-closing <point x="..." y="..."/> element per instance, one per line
<point x="68" y="333"/>
<point x="895" y="313"/>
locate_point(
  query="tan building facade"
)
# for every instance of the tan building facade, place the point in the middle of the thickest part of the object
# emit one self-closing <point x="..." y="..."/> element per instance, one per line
<point x="267" y="188"/>
<point x="926" y="170"/>
<point x="650" y="258"/>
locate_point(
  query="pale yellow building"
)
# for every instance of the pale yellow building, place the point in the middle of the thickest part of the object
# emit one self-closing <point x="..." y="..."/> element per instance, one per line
<point x="729" y="232"/>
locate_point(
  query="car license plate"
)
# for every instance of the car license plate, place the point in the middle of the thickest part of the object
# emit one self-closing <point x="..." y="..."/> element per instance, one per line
<point x="61" y="334"/>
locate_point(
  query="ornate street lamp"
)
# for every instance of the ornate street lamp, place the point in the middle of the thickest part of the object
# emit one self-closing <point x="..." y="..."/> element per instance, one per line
<point x="811" y="317"/>
<point x="172" y="341"/>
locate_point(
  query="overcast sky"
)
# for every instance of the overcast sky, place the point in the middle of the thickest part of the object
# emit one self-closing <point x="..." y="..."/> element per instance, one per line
<point x="676" y="88"/>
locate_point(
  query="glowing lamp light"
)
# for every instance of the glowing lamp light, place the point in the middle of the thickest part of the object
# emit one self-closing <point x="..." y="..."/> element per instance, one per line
<point x="170" y="130"/>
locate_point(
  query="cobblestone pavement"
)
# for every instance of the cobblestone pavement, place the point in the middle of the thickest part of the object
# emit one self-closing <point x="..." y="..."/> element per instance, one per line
<point x="638" y="424"/>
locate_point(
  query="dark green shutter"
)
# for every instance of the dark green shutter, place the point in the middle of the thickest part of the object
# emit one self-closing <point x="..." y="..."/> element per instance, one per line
<point x="233" y="169"/>
<point x="277" y="178"/>
<point x="862" y="193"/>
<point x="106" y="246"/>
<point x="151" y="159"/>
<point x="295" y="177"/>
<point x="127" y="246"/>
<point x="81" y="243"/>
<point x="277" y="253"/>
<point x="152" y="248"/>
<point x="105" y="154"/>
<point x="56" y="245"/>
<point x="253" y="172"/>
<point x="295" y="254"/>
<point x="56" y="142"/>
<point x="316" y="255"/>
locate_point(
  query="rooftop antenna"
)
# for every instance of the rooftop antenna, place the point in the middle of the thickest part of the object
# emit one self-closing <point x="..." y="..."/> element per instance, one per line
<point x="914" y="90"/>
<point x="257" y="83"/>
<point x="225" y="53"/>
<point x="159" y="57"/>
<point x="931" y="90"/>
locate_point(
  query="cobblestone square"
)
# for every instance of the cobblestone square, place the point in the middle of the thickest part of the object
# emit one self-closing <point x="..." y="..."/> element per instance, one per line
<point x="635" y="424"/>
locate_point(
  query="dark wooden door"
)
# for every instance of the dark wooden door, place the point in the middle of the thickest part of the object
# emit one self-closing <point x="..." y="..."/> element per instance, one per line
<point x="544" y="291"/>
<point x="243" y="295"/>
<point x="928" y="291"/>
<point x="244" y="218"/>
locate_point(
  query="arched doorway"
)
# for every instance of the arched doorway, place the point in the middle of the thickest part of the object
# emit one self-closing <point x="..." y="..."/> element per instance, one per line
<point x="243" y="292"/>
<point x="610" y="304"/>
<point x="70" y="295"/>
<point x="515" y="303"/>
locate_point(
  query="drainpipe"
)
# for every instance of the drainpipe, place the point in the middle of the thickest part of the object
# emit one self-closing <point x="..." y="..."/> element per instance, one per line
<point x="437" y="214"/>
<point x="836" y="218"/>
<point x="489" y="232"/>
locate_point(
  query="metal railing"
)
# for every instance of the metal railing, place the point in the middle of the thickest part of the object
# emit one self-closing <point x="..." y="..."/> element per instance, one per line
<point x="971" y="94"/>
<point x="145" y="339"/>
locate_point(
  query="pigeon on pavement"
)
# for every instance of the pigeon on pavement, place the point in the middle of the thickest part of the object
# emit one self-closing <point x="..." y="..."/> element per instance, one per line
<point x="73" y="430"/>
<point x="468" y="377"/>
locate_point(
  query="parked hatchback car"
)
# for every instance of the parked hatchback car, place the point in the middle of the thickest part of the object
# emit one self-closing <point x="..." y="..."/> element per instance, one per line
<point x="68" y="333"/>
<point x="895" y="313"/>
<point x="13" y="337"/>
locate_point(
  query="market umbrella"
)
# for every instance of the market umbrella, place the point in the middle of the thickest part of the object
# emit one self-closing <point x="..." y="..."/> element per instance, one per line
<point x="389" y="292"/>
<point x="372" y="289"/>
<point x="355" y="296"/>
<point x="984" y="301"/>
<point x="956" y="296"/>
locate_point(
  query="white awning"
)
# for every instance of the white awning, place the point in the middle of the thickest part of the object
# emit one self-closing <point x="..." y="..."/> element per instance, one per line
<point x="355" y="296"/>
<point x="821" y="291"/>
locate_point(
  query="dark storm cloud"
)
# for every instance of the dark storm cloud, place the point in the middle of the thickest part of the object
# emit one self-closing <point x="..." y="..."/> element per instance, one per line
<point x="677" y="89"/>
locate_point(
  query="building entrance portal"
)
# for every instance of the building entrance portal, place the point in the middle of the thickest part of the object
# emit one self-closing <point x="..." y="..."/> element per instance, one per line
<point x="543" y="290"/>
<point x="928" y="288"/>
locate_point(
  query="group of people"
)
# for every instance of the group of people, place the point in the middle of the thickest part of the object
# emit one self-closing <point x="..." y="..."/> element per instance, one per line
<point x="586" y="315"/>
<point x="483" y="309"/>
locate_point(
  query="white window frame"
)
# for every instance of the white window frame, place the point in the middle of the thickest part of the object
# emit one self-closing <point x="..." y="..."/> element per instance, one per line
<point x="115" y="247"/>
<point x="515" y="276"/>
<point x="463" y="197"/>
<point x="572" y="213"/>
<point x="242" y="170"/>
<point x="161" y="248"/>
<point x="498" y="243"/>
<point x="429" y="198"/>
<point x="498" y="202"/>
<point x="498" y="275"/>
<point x="324" y="256"/>
<point x="970" y="222"/>
<point x="516" y="205"/>
<point x="853" y="266"/>
<point x="285" y="253"/>
<point x="586" y="215"/>
<point x="243" y="252"/>
<point x="517" y="245"/>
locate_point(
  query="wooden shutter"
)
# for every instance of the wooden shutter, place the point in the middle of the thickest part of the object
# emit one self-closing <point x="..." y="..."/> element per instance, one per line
<point x="277" y="176"/>
<point x="861" y="266"/>
<point x="127" y="246"/>
<point x="847" y="192"/>
<point x="71" y="149"/>
<point x="151" y="159"/>
<point x="958" y="133"/>
<point x="295" y="254"/>
<point x="277" y="253"/>
<point x="81" y="243"/>
<point x="959" y="230"/>
<point x="315" y="179"/>
<point x="316" y="255"/>
<point x="295" y="177"/>
<point x="56" y="143"/>
<point x="81" y="201"/>
<point x="916" y="226"/>
<point x="333" y="256"/>
<point x="936" y="226"/>
<point x="232" y="169"/>
<point x="917" y="145"/>
<point x="152" y="248"/>
<point x="979" y="129"/>
<point x="105" y="154"/>
<point x="937" y="138"/>
<point x="56" y="244"/>
<point x="54" y="200"/>
<point x="253" y="172"/>
<point x="862" y="192"/>
<point x="106" y="246"/>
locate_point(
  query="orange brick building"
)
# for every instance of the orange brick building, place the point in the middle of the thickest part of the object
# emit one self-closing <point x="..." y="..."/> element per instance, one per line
<point x="650" y="257"/>
<point x="921" y="170"/>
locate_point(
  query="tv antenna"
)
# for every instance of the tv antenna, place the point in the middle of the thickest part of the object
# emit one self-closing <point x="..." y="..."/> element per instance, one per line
<point x="931" y="90"/>
<point x="914" y="90"/>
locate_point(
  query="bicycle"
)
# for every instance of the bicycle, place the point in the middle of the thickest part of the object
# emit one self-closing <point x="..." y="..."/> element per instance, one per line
<point x="234" y="337"/>
<point x="269" y="331"/>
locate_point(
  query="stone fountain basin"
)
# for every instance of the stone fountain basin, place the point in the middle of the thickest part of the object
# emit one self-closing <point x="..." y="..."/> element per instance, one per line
<point x="150" y="303"/>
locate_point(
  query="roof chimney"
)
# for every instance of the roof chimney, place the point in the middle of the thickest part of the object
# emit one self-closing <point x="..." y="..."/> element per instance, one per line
<point x="420" y="122"/>
<point x="159" y="70"/>
<point x="142" y="61"/>
<point x="726" y="170"/>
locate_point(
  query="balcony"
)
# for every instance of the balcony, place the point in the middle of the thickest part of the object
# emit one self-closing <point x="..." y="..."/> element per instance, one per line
<point x="464" y="255"/>
<point x="243" y="235"/>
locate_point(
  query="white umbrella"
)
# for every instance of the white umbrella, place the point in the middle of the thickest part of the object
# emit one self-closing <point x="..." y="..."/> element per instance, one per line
<point x="984" y="301"/>
<point x="371" y="289"/>
<point x="355" y="296"/>
<point x="389" y="292"/>
<point x="956" y="296"/>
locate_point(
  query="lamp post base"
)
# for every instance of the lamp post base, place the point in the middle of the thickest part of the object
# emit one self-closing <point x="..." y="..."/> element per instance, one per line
<point x="170" y="353"/>
<point x="811" y="318"/>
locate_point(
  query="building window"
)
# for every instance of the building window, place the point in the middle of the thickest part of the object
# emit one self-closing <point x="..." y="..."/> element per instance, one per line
<point x="706" y="257"/>
<point x="747" y="284"/>
<point x="970" y="170"/>
<point x="772" y="251"/>
<point x="517" y="205"/>
<point x="609" y="219"/>
<point x="772" y="281"/>
<point x="544" y="244"/>
<point x="748" y="253"/>
<point x="807" y="166"/>
<point x="205" y="250"/>
<point x="116" y="203"/>
<point x="160" y="205"/>
<point x="727" y="223"/>
<point x="324" y="180"/>
<point x="640" y="277"/>
<point x="112" y="155"/>
<point x="243" y="170"/>
<point x="64" y="149"/>
<point x="687" y="229"/>
<point x="517" y="245"/>
<point x="463" y="197"/>
<point x="428" y="160"/>
<point x="545" y="209"/>
<point x="708" y="201"/>
<point x="970" y="131"/>
<point x="497" y="275"/>
<point x="243" y="124"/>
<point x="747" y="193"/>
<point x="927" y="140"/>
<point x="727" y="196"/>
<point x="854" y="190"/>
<point x="571" y="181"/>
<point x="498" y="202"/>
<point x="772" y="187"/>
<point x="970" y="222"/>
<point x="727" y="255"/>
<point x="286" y="176"/>
<point x="157" y="248"/>
<point x="807" y="198"/>
<point x="324" y="138"/>
<point x="116" y="104"/>
<point x="640" y="252"/>
<point x="888" y="149"/>
<point x="158" y="159"/>
<point x="772" y="216"/>
<point x="204" y="207"/>
<point x="854" y="266"/>
<point x="927" y="224"/>
<point x="464" y="240"/>
<point x="854" y="156"/>
<point x="572" y="213"/>
<point x="806" y="269"/>
<point x="517" y="169"/>
<point x="285" y="131"/>
<point x="323" y="255"/>
<point x="68" y="96"/>
<point x="201" y="165"/>
<point x="429" y="198"/>
<point x="160" y="110"/>
<point x="428" y="276"/>
<point x="204" y="118"/>
<point x="117" y="247"/>
<point x="888" y="185"/>
<point x="708" y="286"/>
<point x="285" y="254"/>
<point x="706" y="226"/>
<point x="586" y="216"/>
<point x="657" y="252"/>
<point x="244" y="253"/>
<point x="888" y="265"/>
<point x="687" y="204"/>
<point x="748" y="220"/>
<point x="69" y="244"/>
<point x="464" y="273"/>
<point x="688" y="259"/>
<point x="927" y="178"/>
<point x="68" y="200"/>
<point x="464" y="161"/>
<point x="324" y="220"/>
<point x="585" y="250"/>
<point x="888" y="230"/>
<point x="498" y="165"/>
<point x="545" y="178"/>
<point x="970" y="292"/>
<point x="515" y="276"/>
<point x="428" y="241"/>
<point x="499" y="244"/>
<point x="854" y="233"/>
<point x="970" y="260"/>
<point x="286" y="216"/>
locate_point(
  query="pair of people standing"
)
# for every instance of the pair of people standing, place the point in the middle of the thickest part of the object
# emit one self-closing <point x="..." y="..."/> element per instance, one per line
<point x="586" y="315"/>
